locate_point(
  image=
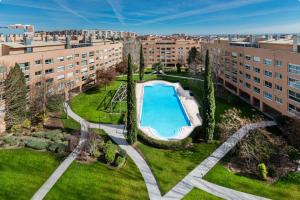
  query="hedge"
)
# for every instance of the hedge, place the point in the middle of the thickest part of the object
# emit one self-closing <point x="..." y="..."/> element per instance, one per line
<point x="172" y="145"/>
<point x="37" y="144"/>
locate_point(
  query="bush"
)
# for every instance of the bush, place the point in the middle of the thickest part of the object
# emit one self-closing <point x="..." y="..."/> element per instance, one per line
<point x="37" y="144"/>
<point x="233" y="99"/>
<point x="293" y="153"/>
<point x="11" y="140"/>
<point x="55" y="135"/>
<point x="120" y="161"/>
<point x="61" y="148"/>
<point x="263" y="172"/>
<point x="55" y="103"/>
<point x="110" y="151"/>
<point x="26" y="124"/>
<point x="272" y="171"/>
<point x="172" y="145"/>
<point x="293" y="177"/>
<point x="52" y="147"/>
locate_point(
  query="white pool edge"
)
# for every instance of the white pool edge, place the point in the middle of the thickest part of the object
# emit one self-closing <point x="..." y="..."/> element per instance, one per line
<point x="188" y="102"/>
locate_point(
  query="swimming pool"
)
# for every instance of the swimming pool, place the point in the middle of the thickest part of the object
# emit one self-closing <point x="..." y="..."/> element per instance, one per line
<point x="162" y="110"/>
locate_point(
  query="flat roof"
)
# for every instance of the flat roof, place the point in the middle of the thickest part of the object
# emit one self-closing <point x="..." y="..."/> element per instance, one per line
<point x="33" y="44"/>
<point x="280" y="41"/>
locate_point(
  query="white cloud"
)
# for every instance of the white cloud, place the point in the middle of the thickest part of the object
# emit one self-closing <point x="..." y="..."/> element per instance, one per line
<point x="116" y="7"/>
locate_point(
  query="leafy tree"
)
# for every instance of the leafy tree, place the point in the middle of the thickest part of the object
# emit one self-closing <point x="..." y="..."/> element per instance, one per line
<point x="131" y="113"/>
<point x="178" y="67"/>
<point x="208" y="101"/>
<point x="192" y="55"/>
<point x="15" y="93"/>
<point x="142" y="64"/>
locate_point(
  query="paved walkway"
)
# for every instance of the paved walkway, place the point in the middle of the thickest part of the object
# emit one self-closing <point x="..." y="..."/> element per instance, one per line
<point x="46" y="187"/>
<point x="194" y="178"/>
<point x="116" y="134"/>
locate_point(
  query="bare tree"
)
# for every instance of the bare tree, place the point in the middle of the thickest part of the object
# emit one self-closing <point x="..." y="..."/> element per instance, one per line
<point x="105" y="76"/>
<point x="132" y="46"/>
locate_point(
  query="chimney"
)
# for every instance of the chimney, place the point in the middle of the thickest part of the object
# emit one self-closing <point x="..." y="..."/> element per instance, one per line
<point x="68" y="45"/>
<point x="296" y="42"/>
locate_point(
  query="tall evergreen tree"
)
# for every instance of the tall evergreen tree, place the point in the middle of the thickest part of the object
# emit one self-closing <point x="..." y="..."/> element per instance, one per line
<point x="131" y="108"/>
<point x="15" y="92"/>
<point x="142" y="64"/>
<point x="192" y="55"/>
<point x="208" y="101"/>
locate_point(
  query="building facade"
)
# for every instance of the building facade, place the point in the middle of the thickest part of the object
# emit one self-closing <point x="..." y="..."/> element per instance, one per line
<point x="263" y="72"/>
<point x="167" y="50"/>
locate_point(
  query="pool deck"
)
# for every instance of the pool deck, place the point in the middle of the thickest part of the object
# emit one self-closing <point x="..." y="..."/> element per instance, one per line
<point x="188" y="102"/>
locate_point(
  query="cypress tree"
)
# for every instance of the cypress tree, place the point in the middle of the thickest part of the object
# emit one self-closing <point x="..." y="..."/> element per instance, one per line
<point x="208" y="101"/>
<point x="131" y="112"/>
<point x="142" y="64"/>
<point x="15" y="93"/>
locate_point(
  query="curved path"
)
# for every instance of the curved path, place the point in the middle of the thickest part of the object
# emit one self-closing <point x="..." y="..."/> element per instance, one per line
<point x="193" y="179"/>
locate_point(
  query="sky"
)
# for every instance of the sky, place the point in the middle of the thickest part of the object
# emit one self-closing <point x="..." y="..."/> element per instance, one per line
<point x="157" y="16"/>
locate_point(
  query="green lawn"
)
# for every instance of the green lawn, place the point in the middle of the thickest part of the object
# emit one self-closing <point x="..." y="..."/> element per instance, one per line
<point x="97" y="181"/>
<point x="170" y="166"/>
<point x="23" y="171"/>
<point x="283" y="189"/>
<point x="93" y="105"/>
<point x="197" y="194"/>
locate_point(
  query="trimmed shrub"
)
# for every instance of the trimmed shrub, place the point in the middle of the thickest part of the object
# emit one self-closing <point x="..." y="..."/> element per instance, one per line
<point x="52" y="147"/>
<point x="61" y="148"/>
<point x="172" y="145"/>
<point x="37" y="144"/>
<point x="38" y="134"/>
<point x="120" y="161"/>
<point x="110" y="150"/>
<point x="55" y="135"/>
<point x="263" y="172"/>
<point x="293" y="153"/>
<point x="11" y="140"/>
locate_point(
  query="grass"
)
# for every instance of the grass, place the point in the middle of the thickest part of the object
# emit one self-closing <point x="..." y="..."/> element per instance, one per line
<point x="97" y="181"/>
<point x="23" y="171"/>
<point x="94" y="105"/>
<point x="283" y="189"/>
<point x="170" y="166"/>
<point x="197" y="194"/>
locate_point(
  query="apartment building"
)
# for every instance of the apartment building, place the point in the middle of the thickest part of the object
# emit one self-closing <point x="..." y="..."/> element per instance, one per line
<point x="167" y="50"/>
<point x="264" y="72"/>
<point x="60" y="66"/>
<point x="110" y="33"/>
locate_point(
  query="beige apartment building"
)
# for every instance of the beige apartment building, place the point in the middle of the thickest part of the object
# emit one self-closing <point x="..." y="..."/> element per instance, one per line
<point x="59" y="66"/>
<point x="167" y="50"/>
<point x="263" y="72"/>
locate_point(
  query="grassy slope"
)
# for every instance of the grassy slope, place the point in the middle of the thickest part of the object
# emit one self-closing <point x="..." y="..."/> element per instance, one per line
<point x="23" y="171"/>
<point x="70" y="123"/>
<point x="197" y="194"/>
<point x="280" y="190"/>
<point x="96" y="181"/>
<point x="170" y="166"/>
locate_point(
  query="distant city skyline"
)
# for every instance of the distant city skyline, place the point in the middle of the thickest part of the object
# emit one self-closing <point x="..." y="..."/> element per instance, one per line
<point x="156" y="17"/>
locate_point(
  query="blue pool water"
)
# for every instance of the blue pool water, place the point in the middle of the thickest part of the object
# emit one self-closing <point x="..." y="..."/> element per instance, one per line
<point x="162" y="110"/>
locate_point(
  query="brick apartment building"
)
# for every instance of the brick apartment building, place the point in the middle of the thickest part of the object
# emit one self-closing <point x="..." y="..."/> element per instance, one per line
<point x="167" y="50"/>
<point x="63" y="66"/>
<point x="265" y="72"/>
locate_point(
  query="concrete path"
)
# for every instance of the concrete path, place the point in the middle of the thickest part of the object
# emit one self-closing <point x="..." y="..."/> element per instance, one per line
<point x="46" y="187"/>
<point x="194" y="178"/>
<point x="116" y="133"/>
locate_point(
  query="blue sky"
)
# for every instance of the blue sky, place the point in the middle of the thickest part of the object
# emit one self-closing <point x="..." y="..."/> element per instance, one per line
<point x="156" y="16"/>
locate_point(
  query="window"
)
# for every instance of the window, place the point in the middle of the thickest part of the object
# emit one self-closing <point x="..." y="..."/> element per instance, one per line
<point x="50" y="80"/>
<point x="294" y="69"/>
<point x="48" y="61"/>
<point x="71" y="74"/>
<point x="294" y="83"/>
<point x="256" y="70"/>
<point x="256" y="59"/>
<point x="256" y="90"/>
<point x="38" y="62"/>
<point x="83" y="55"/>
<point x="268" y="96"/>
<point x="248" y="76"/>
<point x="247" y="67"/>
<point x="294" y="96"/>
<point x="92" y="67"/>
<point x="268" y="62"/>
<point x="84" y="63"/>
<point x="91" y="53"/>
<point x="278" y="100"/>
<point x="60" y="68"/>
<point x="70" y="66"/>
<point x="293" y="109"/>
<point x="24" y="66"/>
<point x="256" y="79"/>
<point x="268" y="84"/>
<point x="38" y="73"/>
<point x="248" y="57"/>
<point x="247" y="85"/>
<point x="60" y="59"/>
<point x="278" y="63"/>
<point x="268" y="74"/>
<point x="278" y="87"/>
<point x="49" y="71"/>
<point x="234" y="54"/>
<point x="278" y="76"/>
<point x="70" y="57"/>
